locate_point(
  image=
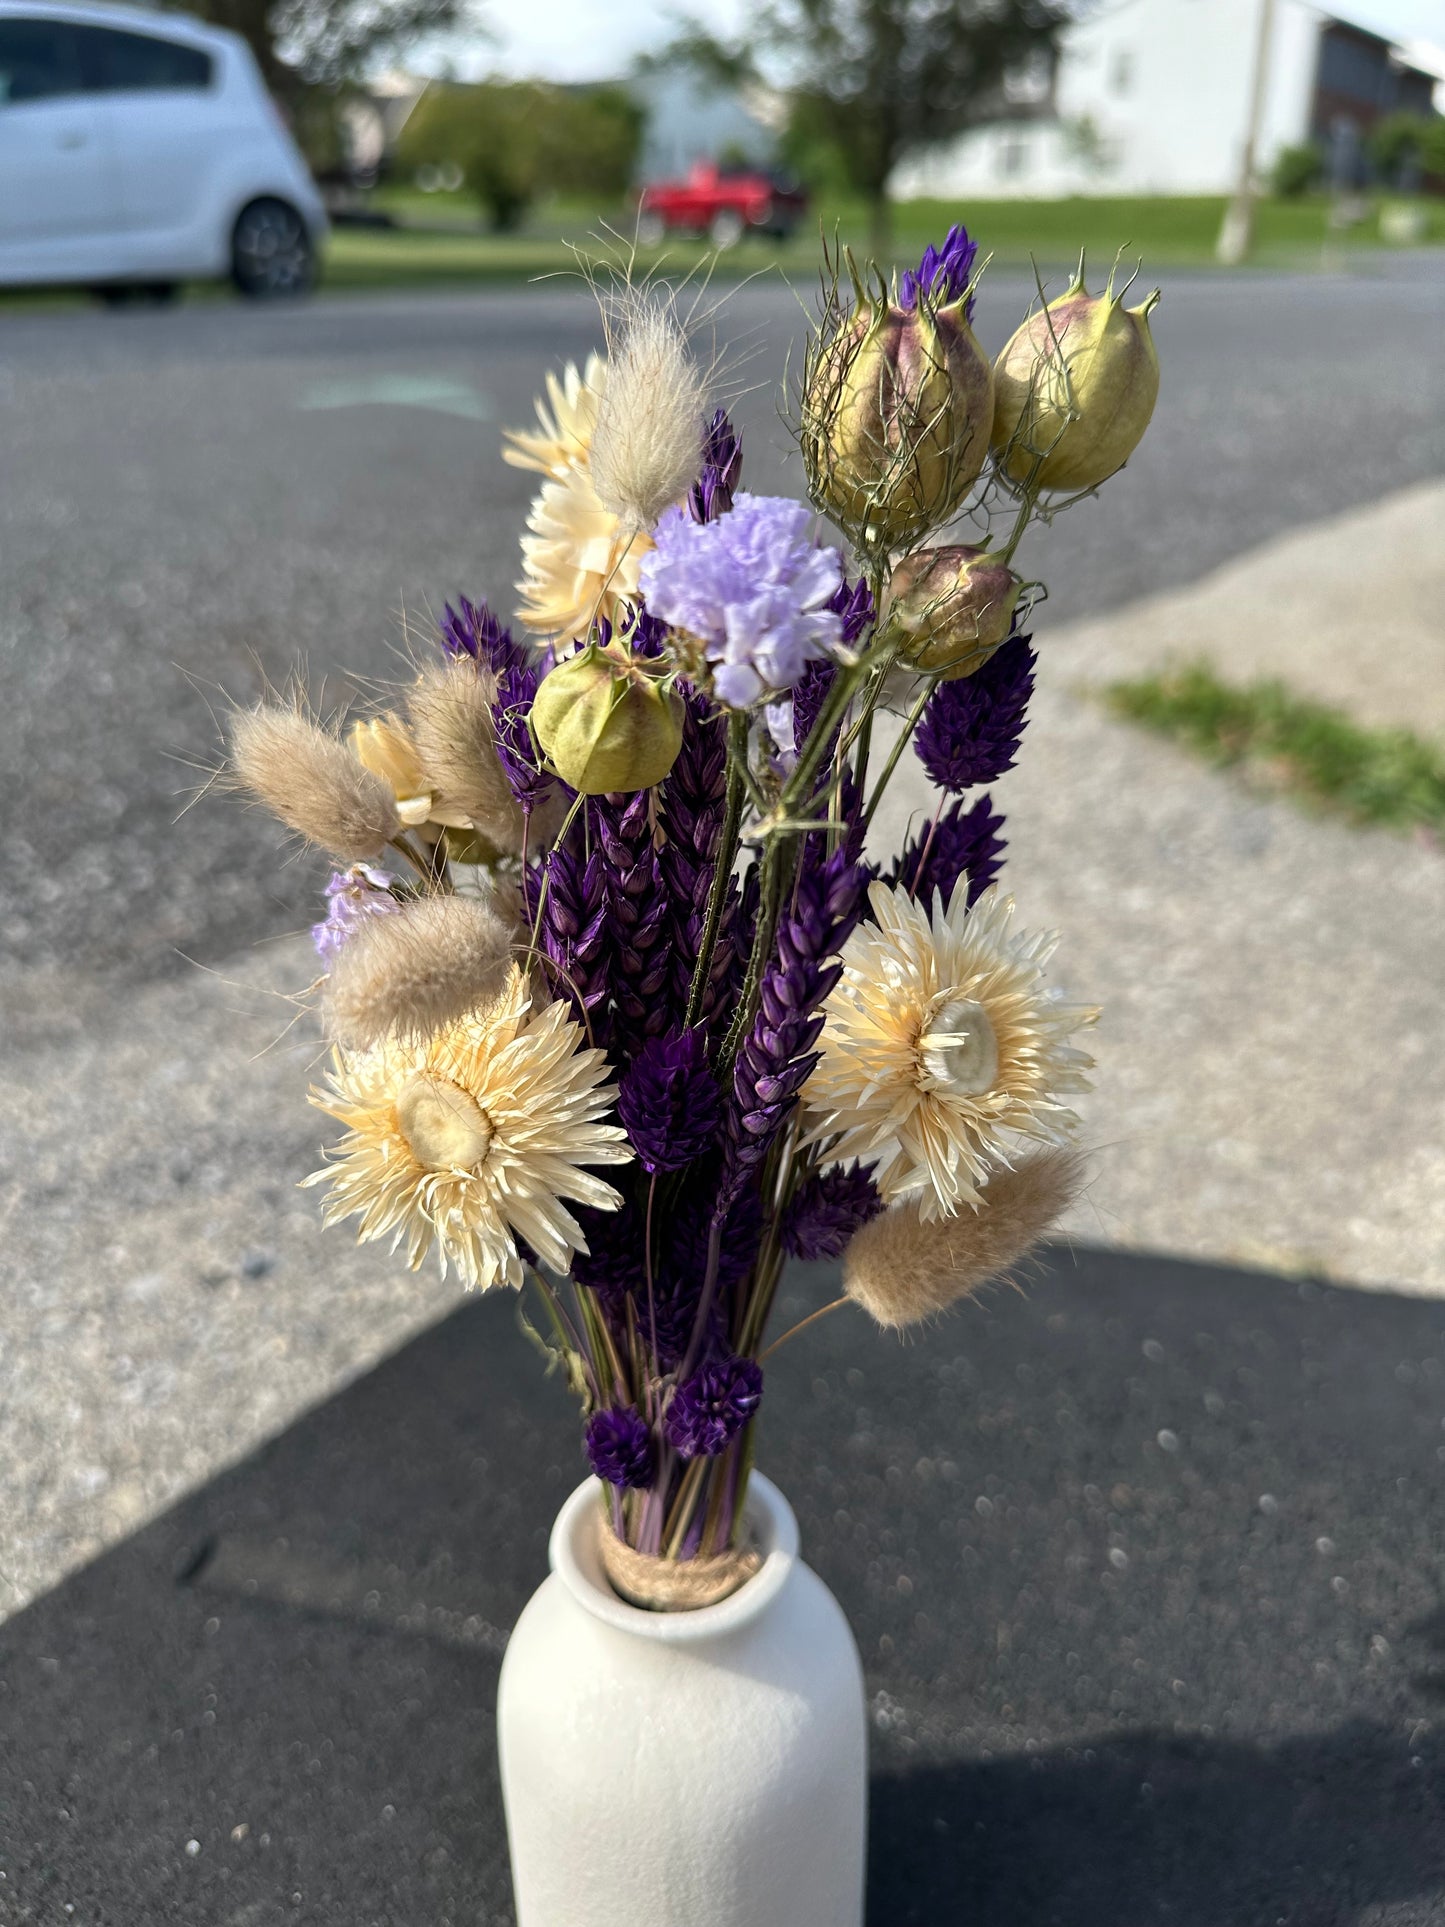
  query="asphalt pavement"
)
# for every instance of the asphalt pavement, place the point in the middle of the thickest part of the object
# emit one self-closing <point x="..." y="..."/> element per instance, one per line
<point x="191" y="499"/>
<point x="1142" y="1565"/>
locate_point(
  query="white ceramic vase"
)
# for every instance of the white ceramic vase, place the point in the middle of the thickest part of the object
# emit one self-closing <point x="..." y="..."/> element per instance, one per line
<point x="685" y="1769"/>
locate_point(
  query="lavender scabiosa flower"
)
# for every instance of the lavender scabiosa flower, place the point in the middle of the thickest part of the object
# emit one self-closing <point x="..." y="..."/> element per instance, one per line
<point x="961" y="842"/>
<point x="352" y="896"/>
<point x="712" y="1405"/>
<point x="777" y="1053"/>
<point x="970" y="730"/>
<point x="572" y="932"/>
<point x="668" y="1101"/>
<point x="827" y="1208"/>
<point x="638" y="920"/>
<point x="711" y="495"/>
<point x="620" y="1448"/>
<point x="942" y="275"/>
<point x="753" y="587"/>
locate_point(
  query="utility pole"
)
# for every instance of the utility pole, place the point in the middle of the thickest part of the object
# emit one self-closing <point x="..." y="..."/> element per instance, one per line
<point x="1236" y="235"/>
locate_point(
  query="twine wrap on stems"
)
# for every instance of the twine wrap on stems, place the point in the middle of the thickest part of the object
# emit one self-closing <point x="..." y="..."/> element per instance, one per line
<point x="673" y="1585"/>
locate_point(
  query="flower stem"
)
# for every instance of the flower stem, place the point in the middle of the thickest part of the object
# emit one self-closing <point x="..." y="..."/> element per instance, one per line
<point x="905" y="736"/>
<point x="802" y="1325"/>
<point x="722" y="866"/>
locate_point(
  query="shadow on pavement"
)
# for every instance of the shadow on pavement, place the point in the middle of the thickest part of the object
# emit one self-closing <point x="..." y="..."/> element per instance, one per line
<point x="1141" y="1827"/>
<point x="1144" y="1565"/>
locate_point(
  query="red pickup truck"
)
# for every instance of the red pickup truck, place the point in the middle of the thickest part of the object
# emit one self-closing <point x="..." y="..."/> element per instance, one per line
<point x="722" y="203"/>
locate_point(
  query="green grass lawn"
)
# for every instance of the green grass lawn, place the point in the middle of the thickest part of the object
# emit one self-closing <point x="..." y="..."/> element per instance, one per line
<point x="1163" y="233"/>
<point x="444" y="245"/>
<point x="1279" y="741"/>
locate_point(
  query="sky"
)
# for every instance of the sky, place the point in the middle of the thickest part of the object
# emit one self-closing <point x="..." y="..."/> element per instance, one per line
<point x="596" y="39"/>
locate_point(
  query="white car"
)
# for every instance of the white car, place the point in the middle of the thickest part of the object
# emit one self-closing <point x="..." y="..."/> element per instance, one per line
<point x="140" y="149"/>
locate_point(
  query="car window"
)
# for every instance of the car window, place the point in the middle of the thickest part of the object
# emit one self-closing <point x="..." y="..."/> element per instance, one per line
<point x="38" y="60"/>
<point x="115" y="63"/>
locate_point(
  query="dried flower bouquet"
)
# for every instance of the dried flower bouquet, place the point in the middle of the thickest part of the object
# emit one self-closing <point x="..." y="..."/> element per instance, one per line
<point x="624" y="1005"/>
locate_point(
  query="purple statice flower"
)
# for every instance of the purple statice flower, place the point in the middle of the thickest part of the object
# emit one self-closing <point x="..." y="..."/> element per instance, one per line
<point x="962" y="840"/>
<point x="668" y="1101"/>
<point x="827" y="1209"/>
<point x="352" y="896"/>
<point x="777" y="1053"/>
<point x="808" y="699"/>
<point x="711" y="495"/>
<point x="573" y="932"/>
<point x="638" y="919"/>
<point x="971" y="728"/>
<point x="472" y="630"/>
<point x="754" y="587"/>
<point x="619" y="1447"/>
<point x="682" y="1245"/>
<point x="712" y="1405"/>
<point x="942" y="275"/>
<point x="612" y="1264"/>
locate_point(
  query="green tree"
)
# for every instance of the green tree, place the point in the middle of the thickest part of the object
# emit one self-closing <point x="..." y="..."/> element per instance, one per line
<point x="514" y="140"/>
<point x="327" y="42"/>
<point x="1296" y="170"/>
<point x="875" y="79"/>
<point x="1404" y="143"/>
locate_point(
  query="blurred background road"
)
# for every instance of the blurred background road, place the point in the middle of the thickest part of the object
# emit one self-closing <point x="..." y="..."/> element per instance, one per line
<point x="198" y="499"/>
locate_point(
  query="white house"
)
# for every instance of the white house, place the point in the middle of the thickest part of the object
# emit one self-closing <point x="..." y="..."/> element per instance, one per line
<point x="1152" y="97"/>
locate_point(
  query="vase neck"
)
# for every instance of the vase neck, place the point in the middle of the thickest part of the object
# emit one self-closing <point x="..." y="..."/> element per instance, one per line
<point x="576" y="1558"/>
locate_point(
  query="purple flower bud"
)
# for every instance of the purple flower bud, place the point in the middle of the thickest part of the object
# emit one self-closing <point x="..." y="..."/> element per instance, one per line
<point x="722" y="467"/>
<point x="942" y="274"/>
<point x="827" y="1209"/>
<point x="711" y="1407"/>
<point x="669" y="1102"/>
<point x="971" y="728"/>
<point x="620" y="1448"/>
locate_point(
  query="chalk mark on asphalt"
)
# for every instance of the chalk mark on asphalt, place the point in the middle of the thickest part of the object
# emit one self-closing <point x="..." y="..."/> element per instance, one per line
<point x="435" y="392"/>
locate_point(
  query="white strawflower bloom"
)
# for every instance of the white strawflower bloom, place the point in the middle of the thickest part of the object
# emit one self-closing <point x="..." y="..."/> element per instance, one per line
<point x="942" y="1050"/>
<point x="566" y="429"/>
<point x="472" y="1139"/>
<point x="579" y="561"/>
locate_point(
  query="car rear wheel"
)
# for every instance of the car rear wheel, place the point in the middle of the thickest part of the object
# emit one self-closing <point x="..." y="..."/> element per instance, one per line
<point x="726" y="229"/>
<point x="271" y="252"/>
<point x="651" y="230"/>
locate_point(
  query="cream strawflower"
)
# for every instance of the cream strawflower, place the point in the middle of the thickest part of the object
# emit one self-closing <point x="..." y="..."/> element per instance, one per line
<point x="579" y="561"/>
<point x="566" y="435"/>
<point x="942" y="1049"/>
<point x="473" y="1138"/>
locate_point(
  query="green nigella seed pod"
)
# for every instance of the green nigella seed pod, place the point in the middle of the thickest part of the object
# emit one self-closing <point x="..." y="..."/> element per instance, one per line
<point x="606" y="723"/>
<point x="897" y="408"/>
<point x="952" y="608"/>
<point x="1075" y="389"/>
